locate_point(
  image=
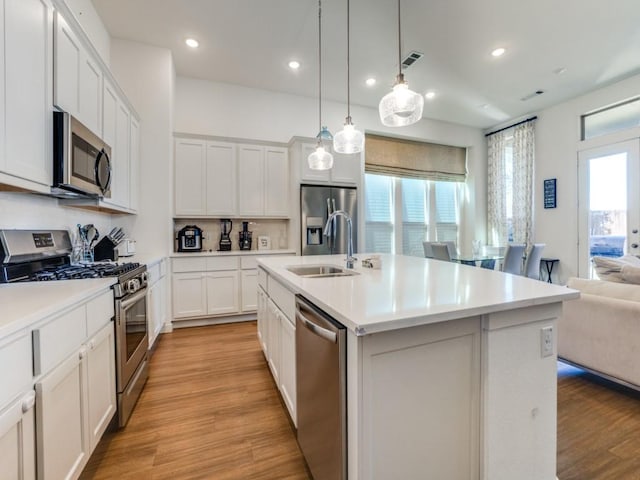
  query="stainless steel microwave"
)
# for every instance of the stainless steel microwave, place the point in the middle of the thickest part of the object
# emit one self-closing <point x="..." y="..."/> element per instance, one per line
<point x="81" y="160"/>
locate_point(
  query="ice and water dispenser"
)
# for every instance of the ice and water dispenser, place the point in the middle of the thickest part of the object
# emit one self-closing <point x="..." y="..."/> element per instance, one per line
<point x="314" y="230"/>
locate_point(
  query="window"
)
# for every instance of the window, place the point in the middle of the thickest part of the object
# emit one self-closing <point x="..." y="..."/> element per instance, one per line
<point x="421" y="210"/>
<point x="611" y="119"/>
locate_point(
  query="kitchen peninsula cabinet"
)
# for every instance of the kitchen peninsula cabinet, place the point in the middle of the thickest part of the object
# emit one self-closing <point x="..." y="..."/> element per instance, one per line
<point x="445" y="377"/>
<point x="223" y="179"/>
<point x="25" y="99"/>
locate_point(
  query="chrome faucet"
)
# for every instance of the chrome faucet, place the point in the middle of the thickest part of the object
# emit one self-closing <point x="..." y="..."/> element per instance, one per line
<point x="350" y="258"/>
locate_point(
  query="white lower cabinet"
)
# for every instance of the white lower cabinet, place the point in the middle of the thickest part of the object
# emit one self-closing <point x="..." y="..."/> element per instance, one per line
<point x="277" y="336"/>
<point x="288" y="364"/>
<point x="189" y="297"/>
<point x="17" y="442"/>
<point x="222" y="292"/>
<point x="249" y="290"/>
<point x="156" y="300"/>
<point x="62" y="443"/>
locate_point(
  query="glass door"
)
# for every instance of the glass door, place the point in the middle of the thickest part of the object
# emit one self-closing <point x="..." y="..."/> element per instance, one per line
<point x="608" y="203"/>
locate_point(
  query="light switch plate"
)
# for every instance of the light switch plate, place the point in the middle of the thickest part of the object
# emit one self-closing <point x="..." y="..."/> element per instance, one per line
<point x="546" y="341"/>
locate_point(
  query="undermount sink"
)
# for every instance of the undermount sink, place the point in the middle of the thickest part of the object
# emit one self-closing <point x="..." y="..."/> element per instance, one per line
<point x="321" y="271"/>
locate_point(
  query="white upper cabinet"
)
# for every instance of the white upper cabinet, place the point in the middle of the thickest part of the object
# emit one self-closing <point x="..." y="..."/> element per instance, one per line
<point x="251" y="185"/>
<point x="221" y="179"/>
<point x="346" y="170"/>
<point x="26" y="113"/>
<point x="134" y="164"/>
<point x="77" y="78"/>
<point x="224" y="179"/>
<point x="190" y="177"/>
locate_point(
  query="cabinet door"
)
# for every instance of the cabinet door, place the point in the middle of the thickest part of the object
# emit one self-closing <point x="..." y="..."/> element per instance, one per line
<point x="17" y="439"/>
<point x="90" y="93"/>
<point x="100" y="383"/>
<point x="249" y="290"/>
<point x="120" y="155"/>
<point x="67" y="66"/>
<point x="262" y="319"/>
<point x="221" y="178"/>
<point x="60" y="434"/>
<point x="190" y="177"/>
<point x="109" y="116"/>
<point x="251" y="180"/>
<point x="346" y="168"/>
<point x="134" y="167"/>
<point x="189" y="295"/>
<point x="276" y="182"/>
<point x="27" y="82"/>
<point x="273" y="340"/>
<point x="288" y="365"/>
<point x="307" y="174"/>
<point x="222" y="292"/>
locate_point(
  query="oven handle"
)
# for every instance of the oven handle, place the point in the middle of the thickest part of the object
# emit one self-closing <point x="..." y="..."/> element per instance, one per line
<point x="125" y="304"/>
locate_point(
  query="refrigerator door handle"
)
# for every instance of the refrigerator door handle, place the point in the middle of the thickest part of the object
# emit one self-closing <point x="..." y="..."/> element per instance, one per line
<point x="329" y="237"/>
<point x="334" y="227"/>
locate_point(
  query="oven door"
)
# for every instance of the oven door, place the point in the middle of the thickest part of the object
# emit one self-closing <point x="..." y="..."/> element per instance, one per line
<point x="131" y="335"/>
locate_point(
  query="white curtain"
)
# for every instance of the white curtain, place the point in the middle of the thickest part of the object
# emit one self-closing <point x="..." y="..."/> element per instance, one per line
<point x="511" y="156"/>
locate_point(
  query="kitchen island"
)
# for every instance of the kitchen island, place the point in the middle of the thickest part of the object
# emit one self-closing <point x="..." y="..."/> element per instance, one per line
<point x="451" y="369"/>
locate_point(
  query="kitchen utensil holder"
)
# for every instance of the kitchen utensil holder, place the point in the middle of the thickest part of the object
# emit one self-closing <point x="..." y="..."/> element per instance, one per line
<point x="105" y="249"/>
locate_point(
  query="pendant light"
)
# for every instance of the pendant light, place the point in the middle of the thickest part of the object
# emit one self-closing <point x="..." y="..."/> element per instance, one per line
<point x="321" y="158"/>
<point x="348" y="140"/>
<point x="401" y="106"/>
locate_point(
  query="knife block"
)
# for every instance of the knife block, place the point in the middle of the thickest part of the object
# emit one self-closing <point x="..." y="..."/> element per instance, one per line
<point x="105" y="249"/>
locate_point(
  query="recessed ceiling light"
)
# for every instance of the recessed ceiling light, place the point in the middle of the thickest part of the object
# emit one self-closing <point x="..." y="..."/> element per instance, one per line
<point x="192" y="42"/>
<point x="430" y="95"/>
<point x="371" y="81"/>
<point x="498" y="52"/>
<point x="484" y="106"/>
<point x="560" y="71"/>
<point x="294" y="65"/>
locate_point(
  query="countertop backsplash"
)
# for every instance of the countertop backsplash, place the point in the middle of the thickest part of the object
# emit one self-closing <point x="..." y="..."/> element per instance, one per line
<point x="276" y="229"/>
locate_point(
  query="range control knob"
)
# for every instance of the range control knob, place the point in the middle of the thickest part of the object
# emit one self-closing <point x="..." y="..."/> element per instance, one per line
<point x="133" y="285"/>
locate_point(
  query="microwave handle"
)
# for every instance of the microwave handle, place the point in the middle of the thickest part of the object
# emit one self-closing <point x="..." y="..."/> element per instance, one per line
<point x="103" y="157"/>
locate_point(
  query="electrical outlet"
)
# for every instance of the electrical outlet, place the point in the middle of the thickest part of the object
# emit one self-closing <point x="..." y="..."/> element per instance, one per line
<point x="546" y="341"/>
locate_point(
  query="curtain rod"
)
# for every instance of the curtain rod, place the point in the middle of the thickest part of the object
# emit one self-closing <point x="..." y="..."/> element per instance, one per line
<point x="511" y="126"/>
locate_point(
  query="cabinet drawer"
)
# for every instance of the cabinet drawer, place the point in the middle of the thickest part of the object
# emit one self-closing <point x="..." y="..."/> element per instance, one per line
<point x="262" y="278"/>
<point x="248" y="263"/>
<point x="56" y="340"/>
<point x="222" y="263"/>
<point x="100" y="311"/>
<point x="196" y="264"/>
<point x="15" y="359"/>
<point x="283" y="298"/>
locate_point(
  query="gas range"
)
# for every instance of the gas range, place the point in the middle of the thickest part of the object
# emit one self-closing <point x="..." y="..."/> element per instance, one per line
<point x="82" y="270"/>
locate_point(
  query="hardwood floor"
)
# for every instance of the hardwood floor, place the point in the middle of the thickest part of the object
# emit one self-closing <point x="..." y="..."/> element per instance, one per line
<point x="210" y="410"/>
<point x="598" y="428"/>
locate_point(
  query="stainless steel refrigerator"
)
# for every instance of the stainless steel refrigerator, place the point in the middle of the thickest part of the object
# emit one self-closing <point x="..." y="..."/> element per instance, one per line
<point x="317" y="202"/>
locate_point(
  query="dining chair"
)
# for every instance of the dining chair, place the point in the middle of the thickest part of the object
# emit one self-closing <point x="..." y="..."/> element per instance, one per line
<point x="532" y="264"/>
<point x="489" y="263"/>
<point x="513" y="258"/>
<point x="441" y="251"/>
<point x="451" y="245"/>
<point x="428" y="252"/>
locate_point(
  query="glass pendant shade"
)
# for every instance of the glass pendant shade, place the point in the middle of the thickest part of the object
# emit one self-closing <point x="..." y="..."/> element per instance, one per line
<point x="320" y="159"/>
<point x="348" y="140"/>
<point x="401" y="106"/>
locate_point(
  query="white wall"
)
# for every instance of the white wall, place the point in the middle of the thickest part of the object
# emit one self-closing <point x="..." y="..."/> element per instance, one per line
<point x="147" y="76"/>
<point x="91" y="23"/>
<point x="211" y="108"/>
<point x="557" y="146"/>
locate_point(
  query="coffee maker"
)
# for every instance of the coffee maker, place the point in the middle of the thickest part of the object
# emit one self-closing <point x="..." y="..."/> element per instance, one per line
<point x="245" y="237"/>
<point x="225" y="235"/>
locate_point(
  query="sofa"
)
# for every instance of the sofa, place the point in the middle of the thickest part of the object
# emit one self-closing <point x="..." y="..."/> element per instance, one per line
<point x="601" y="330"/>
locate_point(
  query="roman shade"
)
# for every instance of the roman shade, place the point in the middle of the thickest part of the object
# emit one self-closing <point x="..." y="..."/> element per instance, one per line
<point x="406" y="158"/>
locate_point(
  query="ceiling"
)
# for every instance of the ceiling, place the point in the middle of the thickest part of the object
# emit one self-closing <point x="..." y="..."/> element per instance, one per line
<point x="562" y="47"/>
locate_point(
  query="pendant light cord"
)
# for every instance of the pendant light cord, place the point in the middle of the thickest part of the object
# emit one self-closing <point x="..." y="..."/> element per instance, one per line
<point x="319" y="67"/>
<point x="348" y="64"/>
<point x="399" y="43"/>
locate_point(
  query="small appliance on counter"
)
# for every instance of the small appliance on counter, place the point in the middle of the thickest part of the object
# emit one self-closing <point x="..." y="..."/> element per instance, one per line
<point x="190" y="239"/>
<point x="245" y="237"/>
<point x="225" y="235"/>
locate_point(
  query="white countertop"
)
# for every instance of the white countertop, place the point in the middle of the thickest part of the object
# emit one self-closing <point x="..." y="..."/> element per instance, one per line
<point x="215" y="253"/>
<point x="409" y="291"/>
<point x="23" y="303"/>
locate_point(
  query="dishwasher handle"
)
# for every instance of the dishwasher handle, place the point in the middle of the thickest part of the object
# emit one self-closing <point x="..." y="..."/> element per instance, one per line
<point x="316" y="329"/>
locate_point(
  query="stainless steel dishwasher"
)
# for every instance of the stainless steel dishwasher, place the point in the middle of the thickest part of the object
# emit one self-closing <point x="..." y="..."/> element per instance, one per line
<point x="321" y="391"/>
